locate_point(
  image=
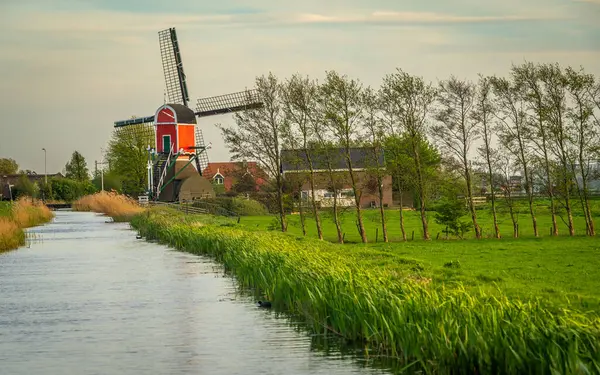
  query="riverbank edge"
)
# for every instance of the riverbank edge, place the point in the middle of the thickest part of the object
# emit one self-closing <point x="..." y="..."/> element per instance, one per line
<point x="24" y="214"/>
<point x="439" y="331"/>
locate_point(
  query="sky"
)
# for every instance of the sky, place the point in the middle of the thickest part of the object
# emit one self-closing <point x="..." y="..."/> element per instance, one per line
<point x="70" y="68"/>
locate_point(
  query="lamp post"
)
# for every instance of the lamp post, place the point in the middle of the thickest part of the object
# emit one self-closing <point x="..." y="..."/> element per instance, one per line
<point x="45" y="171"/>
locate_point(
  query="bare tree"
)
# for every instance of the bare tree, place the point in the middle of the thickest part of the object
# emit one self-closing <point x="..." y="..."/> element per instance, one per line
<point x="482" y="114"/>
<point x="585" y="135"/>
<point x="295" y="181"/>
<point x="505" y="162"/>
<point x="410" y="99"/>
<point x="393" y="152"/>
<point x="300" y="99"/>
<point x="457" y="130"/>
<point x="554" y="84"/>
<point x="513" y="131"/>
<point x="328" y="154"/>
<point x="527" y="78"/>
<point x="376" y="136"/>
<point x="343" y="108"/>
<point x="258" y="135"/>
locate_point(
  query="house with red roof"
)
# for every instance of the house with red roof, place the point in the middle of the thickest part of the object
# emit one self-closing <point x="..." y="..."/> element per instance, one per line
<point x="228" y="173"/>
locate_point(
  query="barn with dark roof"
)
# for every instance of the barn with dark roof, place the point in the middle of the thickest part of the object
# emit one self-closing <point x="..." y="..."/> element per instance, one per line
<point x="294" y="164"/>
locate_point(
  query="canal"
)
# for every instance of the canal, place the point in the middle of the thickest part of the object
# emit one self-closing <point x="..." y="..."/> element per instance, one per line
<point x="86" y="297"/>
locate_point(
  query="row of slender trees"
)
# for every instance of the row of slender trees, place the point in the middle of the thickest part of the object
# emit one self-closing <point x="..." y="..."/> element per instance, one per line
<point x="541" y="122"/>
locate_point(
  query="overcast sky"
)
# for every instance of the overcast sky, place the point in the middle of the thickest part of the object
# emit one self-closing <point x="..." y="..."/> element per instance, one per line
<point x="70" y="68"/>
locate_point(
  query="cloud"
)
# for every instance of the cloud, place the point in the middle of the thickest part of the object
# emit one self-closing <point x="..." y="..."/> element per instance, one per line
<point x="126" y="22"/>
<point x="74" y="69"/>
<point x="416" y="17"/>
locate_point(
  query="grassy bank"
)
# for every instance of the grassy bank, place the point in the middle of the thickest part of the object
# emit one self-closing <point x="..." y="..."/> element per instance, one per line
<point x="14" y="216"/>
<point x="412" y="222"/>
<point x="392" y="306"/>
<point x="119" y="207"/>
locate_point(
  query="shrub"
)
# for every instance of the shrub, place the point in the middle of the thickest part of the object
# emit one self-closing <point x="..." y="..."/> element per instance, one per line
<point x="241" y="206"/>
<point x="69" y="190"/>
<point x="248" y="207"/>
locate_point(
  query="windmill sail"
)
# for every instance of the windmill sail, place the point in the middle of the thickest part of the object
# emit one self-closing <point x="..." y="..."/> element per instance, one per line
<point x="177" y="91"/>
<point x="237" y="101"/>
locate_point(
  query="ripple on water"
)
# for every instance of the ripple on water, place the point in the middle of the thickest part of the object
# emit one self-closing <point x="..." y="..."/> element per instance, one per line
<point x="86" y="297"/>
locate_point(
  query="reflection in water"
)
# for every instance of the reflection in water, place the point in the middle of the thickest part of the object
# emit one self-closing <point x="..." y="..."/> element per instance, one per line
<point x="86" y="297"/>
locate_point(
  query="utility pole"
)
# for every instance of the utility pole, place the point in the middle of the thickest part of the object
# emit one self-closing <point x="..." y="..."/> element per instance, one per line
<point x="45" y="177"/>
<point x="102" y="163"/>
<point x="45" y="170"/>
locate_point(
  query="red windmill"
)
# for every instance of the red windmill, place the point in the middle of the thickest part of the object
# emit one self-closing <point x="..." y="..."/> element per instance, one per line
<point x="178" y="141"/>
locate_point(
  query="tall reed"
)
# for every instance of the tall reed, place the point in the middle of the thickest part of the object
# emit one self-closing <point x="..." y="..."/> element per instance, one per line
<point x="438" y="330"/>
<point x="117" y="206"/>
<point x="23" y="213"/>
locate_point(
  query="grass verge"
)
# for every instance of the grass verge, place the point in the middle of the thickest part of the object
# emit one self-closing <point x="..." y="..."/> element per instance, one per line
<point x="433" y="328"/>
<point x="119" y="207"/>
<point x="15" y="216"/>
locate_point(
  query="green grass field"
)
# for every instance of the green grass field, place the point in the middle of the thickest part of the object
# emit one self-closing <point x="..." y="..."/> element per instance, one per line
<point x="412" y="222"/>
<point x="563" y="271"/>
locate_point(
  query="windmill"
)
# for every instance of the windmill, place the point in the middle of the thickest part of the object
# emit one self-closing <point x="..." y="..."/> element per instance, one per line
<point x="177" y="140"/>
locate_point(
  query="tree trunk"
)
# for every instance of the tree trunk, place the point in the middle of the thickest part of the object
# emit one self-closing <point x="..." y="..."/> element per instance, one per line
<point x="357" y="196"/>
<point x="550" y="188"/>
<point x="491" y="176"/>
<point x="568" y="201"/>
<point x="513" y="218"/>
<point x="301" y="211"/>
<point x="382" y="210"/>
<point x="402" y="228"/>
<point x="589" y="221"/>
<point x="282" y="219"/>
<point x="420" y="187"/>
<point x="470" y="197"/>
<point x="336" y="219"/>
<point x="312" y="192"/>
<point x="588" y="213"/>
<point x="529" y="191"/>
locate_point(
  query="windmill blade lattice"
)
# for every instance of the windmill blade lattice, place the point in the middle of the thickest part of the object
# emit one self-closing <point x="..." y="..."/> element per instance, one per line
<point x="237" y="101"/>
<point x="176" y="85"/>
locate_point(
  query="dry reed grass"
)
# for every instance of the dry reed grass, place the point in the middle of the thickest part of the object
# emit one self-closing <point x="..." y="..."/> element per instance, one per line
<point x="27" y="213"/>
<point x="23" y="213"/>
<point x="11" y="236"/>
<point x="117" y="206"/>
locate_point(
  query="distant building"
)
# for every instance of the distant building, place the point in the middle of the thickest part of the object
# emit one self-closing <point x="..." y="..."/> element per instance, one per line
<point x="593" y="175"/>
<point x="226" y="174"/>
<point x="295" y="165"/>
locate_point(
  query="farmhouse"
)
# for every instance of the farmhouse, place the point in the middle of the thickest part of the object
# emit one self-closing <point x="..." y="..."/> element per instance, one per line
<point x="295" y="167"/>
<point x="228" y="173"/>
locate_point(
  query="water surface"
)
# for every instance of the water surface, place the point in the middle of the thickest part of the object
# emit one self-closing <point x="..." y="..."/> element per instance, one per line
<point x="87" y="297"/>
